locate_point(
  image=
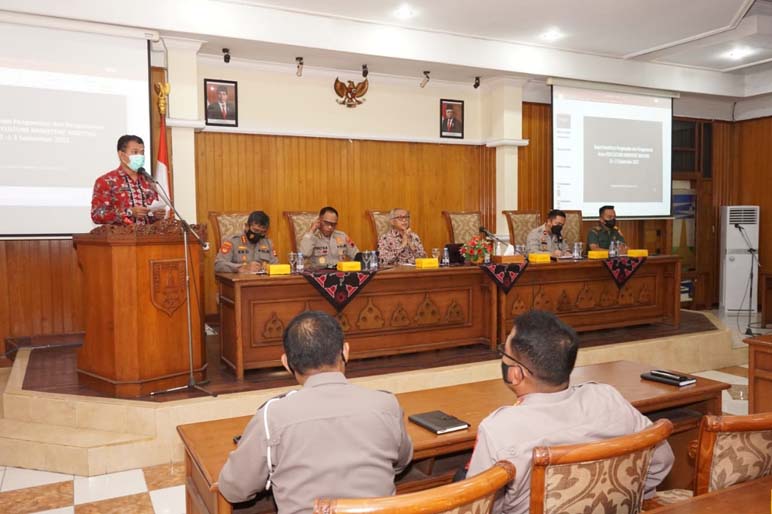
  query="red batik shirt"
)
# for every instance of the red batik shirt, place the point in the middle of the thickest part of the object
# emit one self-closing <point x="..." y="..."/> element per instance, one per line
<point x="115" y="193"/>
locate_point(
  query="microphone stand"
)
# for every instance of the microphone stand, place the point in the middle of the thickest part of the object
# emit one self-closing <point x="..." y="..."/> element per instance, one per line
<point x="494" y="237"/>
<point x="192" y="384"/>
<point x="752" y="251"/>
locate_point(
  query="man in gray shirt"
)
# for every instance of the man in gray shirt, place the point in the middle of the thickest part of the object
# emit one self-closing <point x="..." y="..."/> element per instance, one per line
<point x="547" y="237"/>
<point x="536" y="363"/>
<point x="328" y="439"/>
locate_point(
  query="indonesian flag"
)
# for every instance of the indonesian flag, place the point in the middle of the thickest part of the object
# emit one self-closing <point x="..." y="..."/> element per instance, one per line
<point x="162" y="168"/>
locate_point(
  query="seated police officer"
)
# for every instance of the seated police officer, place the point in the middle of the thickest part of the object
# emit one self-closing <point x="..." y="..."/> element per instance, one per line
<point x="328" y="439"/>
<point x="248" y="252"/>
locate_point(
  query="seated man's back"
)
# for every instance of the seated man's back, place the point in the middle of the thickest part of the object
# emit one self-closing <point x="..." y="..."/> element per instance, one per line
<point x="329" y="439"/>
<point x="537" y="360"/>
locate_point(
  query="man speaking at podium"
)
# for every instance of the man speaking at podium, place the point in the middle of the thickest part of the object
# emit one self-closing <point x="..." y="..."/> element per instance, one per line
<point x="124" y="196"/>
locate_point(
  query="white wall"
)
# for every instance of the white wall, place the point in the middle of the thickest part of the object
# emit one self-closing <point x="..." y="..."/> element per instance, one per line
<point x="273" y="100"/>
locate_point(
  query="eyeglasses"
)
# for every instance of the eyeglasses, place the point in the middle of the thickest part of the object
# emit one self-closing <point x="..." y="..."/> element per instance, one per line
<point x="502" y="353"/>
<point x="401" y="218"/>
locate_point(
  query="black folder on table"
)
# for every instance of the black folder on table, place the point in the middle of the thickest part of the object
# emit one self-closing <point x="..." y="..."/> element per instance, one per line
<point x="438" y="422"/>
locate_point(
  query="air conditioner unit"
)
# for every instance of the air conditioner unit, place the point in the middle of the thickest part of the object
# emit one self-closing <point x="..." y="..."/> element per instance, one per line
<point x="739" y="231"/>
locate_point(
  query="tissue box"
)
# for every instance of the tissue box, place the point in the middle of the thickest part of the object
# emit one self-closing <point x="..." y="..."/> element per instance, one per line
<point x="427" y="263"/>
<point x="538" y="258"/>
<point x="349" y="266"/>
<point x="597" y="254"/>
<point x="278" y="269"/>
<point x="638" y="252"/>
<point x="508" y="259"/>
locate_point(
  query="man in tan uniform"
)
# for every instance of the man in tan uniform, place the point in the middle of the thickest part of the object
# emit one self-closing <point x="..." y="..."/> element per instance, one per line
<point x="536" y="363"/>
<point x="250" y="251"/>
<point x="328" y="439"/>
<point x="547" y="237"/>
<point x="323" y="244"/>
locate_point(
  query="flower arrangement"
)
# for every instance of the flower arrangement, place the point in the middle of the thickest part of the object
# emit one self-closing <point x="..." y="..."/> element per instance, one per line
<point x="476" y="249"/>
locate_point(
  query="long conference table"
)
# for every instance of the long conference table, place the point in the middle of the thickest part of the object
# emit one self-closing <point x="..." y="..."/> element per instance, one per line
<point x="404" y="310"/>
<point x="436" y="458"/>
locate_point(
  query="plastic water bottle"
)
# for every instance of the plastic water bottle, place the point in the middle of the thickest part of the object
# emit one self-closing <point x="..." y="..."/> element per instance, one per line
<point x="612" y="249"/>
<point x="445" y="257"/>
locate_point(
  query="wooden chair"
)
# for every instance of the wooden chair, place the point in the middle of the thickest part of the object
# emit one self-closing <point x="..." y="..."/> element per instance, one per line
<point x="473" y="495"/>
<point x="462" y="226"/>
<point x="520" y="224"/>
<point x="226" y="225"/>
<point x="380" y="223"/>
<point x="570" y="478"/>
<point x="299" y="221"/>
<point x="572" y="230"/>
<point x="730" y="450"/>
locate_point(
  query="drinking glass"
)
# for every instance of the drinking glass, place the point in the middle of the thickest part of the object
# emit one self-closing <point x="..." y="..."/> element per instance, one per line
<point x="373" y="260"/>
<point x="293" y="262"/>
<point x="578" y="250"/>
<point x="299" y="262"/>
<point x="436" y="253"/>
<point x="366" y="260"/>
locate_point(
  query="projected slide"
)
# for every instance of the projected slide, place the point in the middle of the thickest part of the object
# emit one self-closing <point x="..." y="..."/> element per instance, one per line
<point x="611" y="148"/>
<point x="60" y="121"/>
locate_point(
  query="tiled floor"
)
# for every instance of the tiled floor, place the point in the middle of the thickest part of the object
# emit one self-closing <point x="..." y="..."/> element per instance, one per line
<point x="155" y="490"/>
<point x="161" y="490"/>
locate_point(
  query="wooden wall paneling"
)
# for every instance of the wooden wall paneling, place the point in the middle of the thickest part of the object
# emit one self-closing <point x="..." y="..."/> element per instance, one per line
<point x="706" y="237"/>
<point x="534" y="181"/>
<point x="725" y="145"/>
<point x="278" y="173"/>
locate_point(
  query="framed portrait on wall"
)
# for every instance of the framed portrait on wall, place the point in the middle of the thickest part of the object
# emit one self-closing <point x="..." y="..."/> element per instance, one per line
<point x="221" y="102"/>
<point x="452" y="118"/>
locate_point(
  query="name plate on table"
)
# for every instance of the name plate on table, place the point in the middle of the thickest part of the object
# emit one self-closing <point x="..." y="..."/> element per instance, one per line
<point x="638" y="252"/>
<point x="508" y="259"/>
<point x="278" y="269"/>
<point x="427" y="263"/>
<point x="349" y="266"/>
<point x="597" y="254"/>
<point x="539" y="258"/>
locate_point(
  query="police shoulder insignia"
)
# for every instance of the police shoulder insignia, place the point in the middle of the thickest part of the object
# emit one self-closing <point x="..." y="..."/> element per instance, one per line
<point x="226" y="247"/>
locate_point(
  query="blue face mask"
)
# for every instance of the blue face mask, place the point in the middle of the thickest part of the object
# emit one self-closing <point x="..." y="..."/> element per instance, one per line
<point x="136" y="161"/>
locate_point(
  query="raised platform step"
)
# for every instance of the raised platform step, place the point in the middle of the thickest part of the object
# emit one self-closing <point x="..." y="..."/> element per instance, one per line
<point x="77" y="451"/>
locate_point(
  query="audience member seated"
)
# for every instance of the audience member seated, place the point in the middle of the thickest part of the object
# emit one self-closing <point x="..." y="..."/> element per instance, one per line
<point x="547" y="237"/>
<point x="323" y="244"/>
<point x="328" y="439"/>
<point x="248" y="252"/>
<point x="400" y="245"/>
<point x="536" y="363"/>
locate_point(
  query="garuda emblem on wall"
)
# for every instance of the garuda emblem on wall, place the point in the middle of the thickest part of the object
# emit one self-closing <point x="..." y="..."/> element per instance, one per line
<point x="351" y="94"/>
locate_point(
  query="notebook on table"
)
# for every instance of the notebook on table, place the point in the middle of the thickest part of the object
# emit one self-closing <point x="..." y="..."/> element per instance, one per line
<point x="438" y="422"/>
<point x="667" y="377"/>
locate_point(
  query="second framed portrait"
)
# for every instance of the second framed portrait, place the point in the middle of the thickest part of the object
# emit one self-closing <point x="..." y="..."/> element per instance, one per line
<point x="221" y="102"/>
<point x="452" y="118"/>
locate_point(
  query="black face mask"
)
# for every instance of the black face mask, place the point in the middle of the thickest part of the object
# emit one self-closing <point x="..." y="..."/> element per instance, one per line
<point x="505" y="372"/>
<point x="557" y="229"/>
<point x="254" y="237"/>
<point x="610" y="223"/>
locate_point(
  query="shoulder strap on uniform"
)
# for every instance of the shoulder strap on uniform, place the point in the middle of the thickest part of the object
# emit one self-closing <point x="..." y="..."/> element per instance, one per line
<point x="265" y="408"/>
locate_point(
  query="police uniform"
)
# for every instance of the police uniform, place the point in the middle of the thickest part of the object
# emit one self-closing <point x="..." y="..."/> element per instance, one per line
<point x="324" y="251"/>
<point x="329" y="439"/>
<point x="602" y="236"/>
<point x="237" y="251"/>
<point x="580" y="414"/>
<point x="541" y="239"/>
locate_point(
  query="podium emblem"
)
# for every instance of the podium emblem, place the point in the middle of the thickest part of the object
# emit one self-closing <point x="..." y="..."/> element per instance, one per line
<point x="167" y="289"/>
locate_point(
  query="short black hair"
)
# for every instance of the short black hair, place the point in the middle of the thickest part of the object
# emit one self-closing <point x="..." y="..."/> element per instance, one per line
<point x="222" y="89"/>
<point x="547" y="345"/>
<point x="313" y="340"/>
<point x="554" y="213"/>
<point x="604" y="209"/>
<point x="260" y="218"/>
<point x="327" y="209"/>
<point x="124" y="141"/>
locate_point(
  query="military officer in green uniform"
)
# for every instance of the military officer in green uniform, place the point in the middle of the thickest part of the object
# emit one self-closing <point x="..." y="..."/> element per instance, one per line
<point x="249" y="252"/>
<point x="605" y="231"/>
<point x="323" y="244"/>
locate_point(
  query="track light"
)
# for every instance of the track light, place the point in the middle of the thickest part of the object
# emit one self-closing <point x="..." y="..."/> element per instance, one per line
<point x="365" y="71"/>
<point x="299" y="60"/>
<point x="425" y="79"/>
<point x="476" y="82"/>
<point x="227" y="55"/>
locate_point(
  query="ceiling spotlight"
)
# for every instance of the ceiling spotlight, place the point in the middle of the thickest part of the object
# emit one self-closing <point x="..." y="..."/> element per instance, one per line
<point x="738" y="53"/>
<point x="299" y="60"/>
<point x="365" y="71"/>
<point x="404" y="12"/>
<point x="552" y="34"/>
<point x="425" y="80"/>
<point x="476" y="82"/>
<point x="226" y="55"/>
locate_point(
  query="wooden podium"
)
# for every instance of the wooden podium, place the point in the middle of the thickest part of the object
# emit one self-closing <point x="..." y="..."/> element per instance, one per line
<point x="136" y="317"/>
